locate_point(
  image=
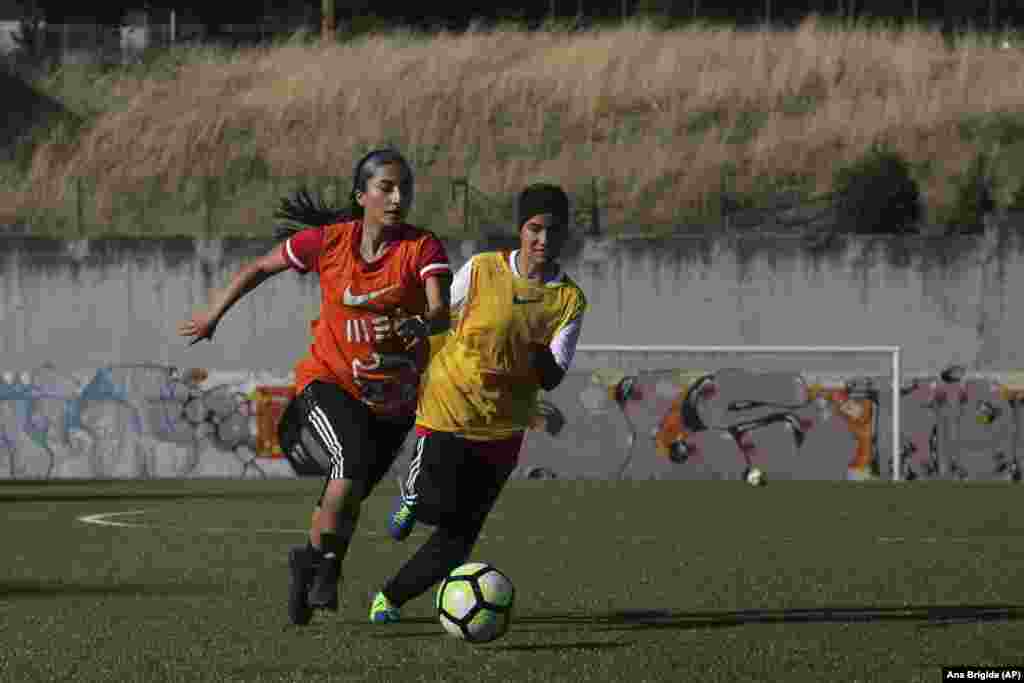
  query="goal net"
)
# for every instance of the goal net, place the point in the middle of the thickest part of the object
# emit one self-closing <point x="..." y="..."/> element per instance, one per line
<point x="714" y="412"/>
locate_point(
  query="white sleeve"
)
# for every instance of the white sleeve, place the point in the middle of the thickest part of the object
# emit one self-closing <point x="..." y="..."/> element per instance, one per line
<point x="460" y="284"/>
<point x="563" y="346"/>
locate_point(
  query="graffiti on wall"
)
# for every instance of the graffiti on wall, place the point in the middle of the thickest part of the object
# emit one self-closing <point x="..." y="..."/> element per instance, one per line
<point x="148" y="421"/>
<point x="681" y="398"/>
<point x="140" y="421"/>
<point x="154" y="421"/>
<point x="954" y="397"/>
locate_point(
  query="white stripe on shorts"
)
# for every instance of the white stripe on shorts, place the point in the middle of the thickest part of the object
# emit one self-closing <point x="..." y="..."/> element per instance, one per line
<point x="323" y="427"/>
<point x="414" y="471"/>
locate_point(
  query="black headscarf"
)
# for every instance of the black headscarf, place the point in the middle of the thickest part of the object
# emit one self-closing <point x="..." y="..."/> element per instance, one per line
<point x="542" y="198"/>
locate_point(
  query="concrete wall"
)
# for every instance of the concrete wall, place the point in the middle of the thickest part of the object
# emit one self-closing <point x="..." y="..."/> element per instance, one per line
<point x="65" y="306"/>
<point x="155" y="421"/>
<point x="106" y="302"/>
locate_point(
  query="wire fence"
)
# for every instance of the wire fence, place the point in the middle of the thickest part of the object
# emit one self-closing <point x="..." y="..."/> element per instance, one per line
<point x="242" y="205"/>
<point x="212" y="206"/>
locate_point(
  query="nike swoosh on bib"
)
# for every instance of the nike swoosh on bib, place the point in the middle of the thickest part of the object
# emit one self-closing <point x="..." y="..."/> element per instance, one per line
<point x="350" y="299"/>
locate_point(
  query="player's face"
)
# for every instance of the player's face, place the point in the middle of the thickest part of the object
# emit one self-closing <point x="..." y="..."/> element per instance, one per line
<point x="388" y="196"/>
<point x="542" y="238"/>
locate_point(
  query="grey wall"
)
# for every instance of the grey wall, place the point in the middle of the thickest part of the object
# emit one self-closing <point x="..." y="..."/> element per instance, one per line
<point x="69" y="307"/>
<point x="89" y="304"/>
<point x="155" y="421"/>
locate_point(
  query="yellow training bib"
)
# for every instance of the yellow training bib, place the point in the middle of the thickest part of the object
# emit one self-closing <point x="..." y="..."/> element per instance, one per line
<point x="480" y="383"/>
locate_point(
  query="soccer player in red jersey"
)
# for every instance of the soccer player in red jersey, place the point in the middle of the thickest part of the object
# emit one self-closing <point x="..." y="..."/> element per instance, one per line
<point x="385" y="289"/>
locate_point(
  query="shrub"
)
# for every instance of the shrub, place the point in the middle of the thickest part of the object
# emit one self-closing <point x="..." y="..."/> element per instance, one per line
<point x="974" y="197"/>
<point x="877" y="194"/>
<point x="368" y="25"/>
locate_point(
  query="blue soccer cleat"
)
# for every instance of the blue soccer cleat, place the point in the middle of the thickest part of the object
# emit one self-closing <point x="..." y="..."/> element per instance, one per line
<point x="403" y="518"/>
<point x="383" y="612"/>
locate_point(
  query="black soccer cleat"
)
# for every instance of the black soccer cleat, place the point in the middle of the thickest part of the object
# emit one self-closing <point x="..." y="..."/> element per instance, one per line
<point x="301" y="570"/>
<point x="324" y="592"/>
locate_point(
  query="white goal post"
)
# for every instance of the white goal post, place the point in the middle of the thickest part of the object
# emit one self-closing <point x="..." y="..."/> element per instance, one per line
<point x="892" y="351"/>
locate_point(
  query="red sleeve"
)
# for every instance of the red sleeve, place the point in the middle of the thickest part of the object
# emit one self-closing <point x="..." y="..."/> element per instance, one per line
<point x="433" y="259"/>
<point x="302" y="250"/>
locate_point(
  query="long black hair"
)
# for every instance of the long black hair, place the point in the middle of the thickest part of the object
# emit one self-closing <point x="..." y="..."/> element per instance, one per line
<point x="301" y="209"/>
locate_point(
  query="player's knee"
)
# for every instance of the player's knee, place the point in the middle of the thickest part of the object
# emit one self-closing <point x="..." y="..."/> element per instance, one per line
<point x="344" y="493"/>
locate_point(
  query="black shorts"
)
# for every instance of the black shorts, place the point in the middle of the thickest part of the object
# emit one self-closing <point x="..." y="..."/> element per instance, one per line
<point x="325" y="432"/>
<point x="453" y="481"/>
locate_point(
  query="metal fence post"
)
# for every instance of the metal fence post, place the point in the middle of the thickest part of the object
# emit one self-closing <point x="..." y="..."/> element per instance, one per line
<point x="465" y="206"/>
<point x="208" y="205"/>
<point x="79" y="208"/>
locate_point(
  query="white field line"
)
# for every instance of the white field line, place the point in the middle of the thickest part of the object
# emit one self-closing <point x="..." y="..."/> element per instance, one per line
<point x="104" y="519"/>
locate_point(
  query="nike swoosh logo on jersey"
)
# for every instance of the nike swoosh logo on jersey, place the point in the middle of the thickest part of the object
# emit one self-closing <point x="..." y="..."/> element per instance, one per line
<point x="350" y="299"/>
<point x="516" y="299"/>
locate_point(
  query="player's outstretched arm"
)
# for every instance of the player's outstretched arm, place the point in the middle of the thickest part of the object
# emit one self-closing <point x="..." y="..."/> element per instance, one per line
<point x="203" y="324"/>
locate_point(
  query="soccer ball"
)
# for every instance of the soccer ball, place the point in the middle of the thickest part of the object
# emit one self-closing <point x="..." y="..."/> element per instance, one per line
<point x="679" y="451"/>
<point x="474" y="603"/>
<point x="755" y="477"/>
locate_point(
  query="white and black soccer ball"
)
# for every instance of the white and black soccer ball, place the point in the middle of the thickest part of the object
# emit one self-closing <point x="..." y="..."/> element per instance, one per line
<point x="754" y="476"/>
<point x="474" y="603"/>
<point x="679" y="451"/>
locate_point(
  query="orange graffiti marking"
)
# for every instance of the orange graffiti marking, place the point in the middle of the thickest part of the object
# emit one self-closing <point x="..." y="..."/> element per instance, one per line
<point x="858" y="414"/>
<point x="671" y="428"/>
<point x="270" y="405"/>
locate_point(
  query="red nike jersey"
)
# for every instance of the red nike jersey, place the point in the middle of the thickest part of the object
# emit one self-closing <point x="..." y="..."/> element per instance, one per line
<point x="354" y="343"/>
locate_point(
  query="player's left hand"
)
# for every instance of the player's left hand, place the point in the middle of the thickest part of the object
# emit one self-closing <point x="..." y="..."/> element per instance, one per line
<point x="411" y="330"/>
<point x="200" y="326"/>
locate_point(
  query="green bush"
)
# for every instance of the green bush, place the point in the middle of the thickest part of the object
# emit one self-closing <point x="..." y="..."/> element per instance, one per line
<point x="1017" y="199"/>
<point x="658" y="14"/>
<point x="367" y="24"/>
<point x="975" y="197"/>
<point x="877" y="194"/>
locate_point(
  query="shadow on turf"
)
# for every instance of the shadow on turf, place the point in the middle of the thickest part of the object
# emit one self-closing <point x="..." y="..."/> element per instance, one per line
<point x="588" y="645"/>
<point x="27" y="588"/>
<point x="929" y="615"/>
<point x="435" y="633"/>
<point x="629" y="620"/>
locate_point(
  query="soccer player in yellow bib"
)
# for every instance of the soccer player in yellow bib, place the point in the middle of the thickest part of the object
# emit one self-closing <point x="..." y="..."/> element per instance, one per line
<point x="516" y="319"/>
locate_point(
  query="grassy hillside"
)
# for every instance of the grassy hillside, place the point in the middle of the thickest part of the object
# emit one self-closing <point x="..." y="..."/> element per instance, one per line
<point x="658" y="123"/>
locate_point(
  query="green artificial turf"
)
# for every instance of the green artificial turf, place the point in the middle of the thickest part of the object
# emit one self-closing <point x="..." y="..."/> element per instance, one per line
<point x="616" y="581"/>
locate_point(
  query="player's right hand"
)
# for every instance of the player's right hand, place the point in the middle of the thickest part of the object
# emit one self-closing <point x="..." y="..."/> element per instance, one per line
<point x="201" y="326"/>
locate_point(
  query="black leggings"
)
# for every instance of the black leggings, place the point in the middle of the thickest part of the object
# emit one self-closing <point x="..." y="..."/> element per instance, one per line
<point x="455" y="489"/>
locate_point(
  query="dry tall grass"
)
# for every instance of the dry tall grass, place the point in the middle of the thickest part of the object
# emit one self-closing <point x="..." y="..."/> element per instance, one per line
<point x="655" y="115"/>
